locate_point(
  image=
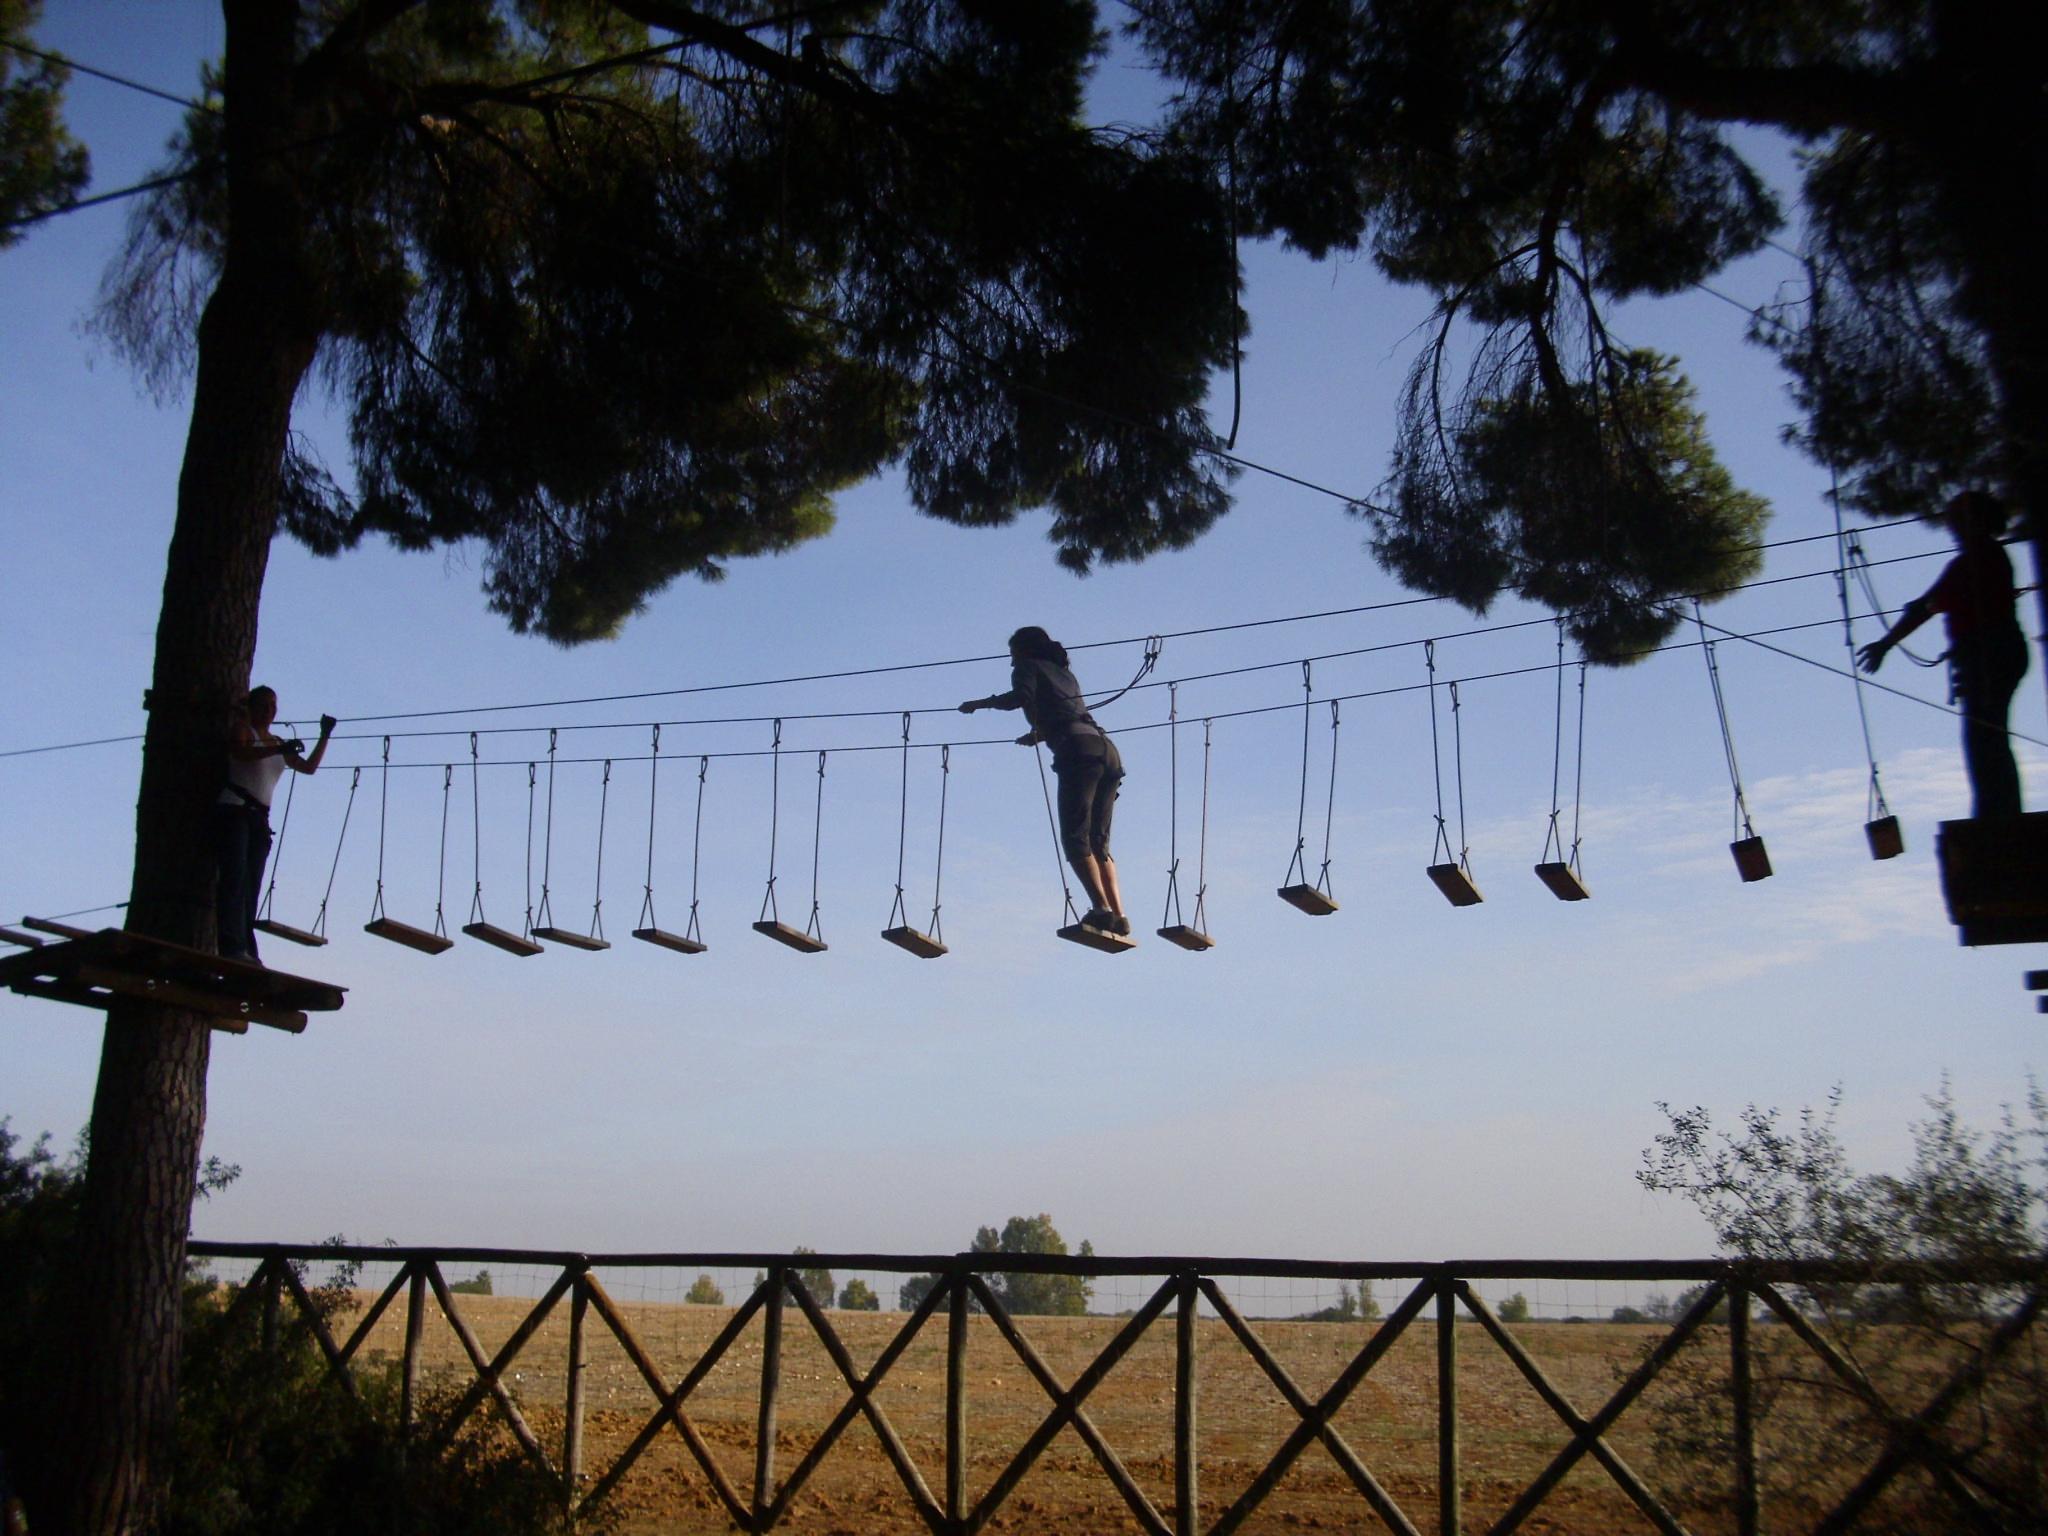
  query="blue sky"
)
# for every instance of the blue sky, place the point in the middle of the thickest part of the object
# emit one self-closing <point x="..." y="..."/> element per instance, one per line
<point x="1400" y="1080"/>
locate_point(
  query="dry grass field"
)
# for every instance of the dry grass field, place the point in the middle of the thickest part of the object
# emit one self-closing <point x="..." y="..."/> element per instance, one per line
<point x="1508" y="1434"/>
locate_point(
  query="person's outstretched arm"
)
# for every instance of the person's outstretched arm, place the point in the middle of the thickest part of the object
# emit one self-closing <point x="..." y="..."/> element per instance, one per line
<point x="309" y="762"/>
<point x="1911" y="617"/>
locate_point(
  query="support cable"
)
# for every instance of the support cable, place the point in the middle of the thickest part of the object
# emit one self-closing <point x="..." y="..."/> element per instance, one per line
<point x="653" y="787"/>
<point x="770" y="911"/>
<point x="284" y="826"/>
<point x="604" y="796"/>
<point x="320" y="920"/>
<point x="1059" y="863"/>
<point x="1172" y="913"/>
<point x="817" y="840"/>
<point x="441" y="876"/>
<point x="383" y="799"/>
<point x="696" y="847"/>
<point x="939" y="863"/>
<point x="547" y="846"/>
<point x="1298" y="866"/>
<point x="897" y="914"/>
<point x="1744" y="829"/>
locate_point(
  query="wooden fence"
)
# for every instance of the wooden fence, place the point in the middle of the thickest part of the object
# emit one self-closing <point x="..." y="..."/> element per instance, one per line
<point x="1190" y="1297"/>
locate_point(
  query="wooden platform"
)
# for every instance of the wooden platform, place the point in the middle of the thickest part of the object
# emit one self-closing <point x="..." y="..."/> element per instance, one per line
<point x="680" y="943"/>
<point x="1752" y="862"/>
<point x="922" y="945"/>
<point x="1096" y="938"/>
<point x="1186" y="937"/>
<point x="61" y="930"/>
<point x="24" y="940"/>
<point x="1457" y="885"/>
<point x="425" y="940"/>
<point x="287" y="932"/>
<point x="1885" y="838"/>
<point x="1308" y="899"/>
<point x="1994" y="876"/>
<point x="501" y="938"/>
<point x="1563" y="881"/>
<point x="571" y="937"/>
<point x="96" y="970"/>
<point x="796" y="938"/>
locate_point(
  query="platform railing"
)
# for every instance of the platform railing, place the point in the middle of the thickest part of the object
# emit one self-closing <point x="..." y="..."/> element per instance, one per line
<point x="1726" y="1302"/>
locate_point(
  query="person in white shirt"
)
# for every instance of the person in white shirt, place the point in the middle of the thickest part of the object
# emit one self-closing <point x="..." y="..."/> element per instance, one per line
<point x="257" y="759"/>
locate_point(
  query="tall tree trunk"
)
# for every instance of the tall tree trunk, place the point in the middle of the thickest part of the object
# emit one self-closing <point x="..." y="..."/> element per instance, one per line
<point x="104" y="1469"/>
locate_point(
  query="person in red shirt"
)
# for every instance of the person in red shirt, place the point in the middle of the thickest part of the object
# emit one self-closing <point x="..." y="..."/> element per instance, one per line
<point x="1987" y="650"/>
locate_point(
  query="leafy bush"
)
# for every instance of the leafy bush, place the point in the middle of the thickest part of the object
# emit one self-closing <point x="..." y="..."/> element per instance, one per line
<point x="1974" y="1200"/>
<point x="703" y="1293"/>
<point x="859" y="1296"/>
<point x="266" y="1443"/>
<point x="1514" y="1310"/>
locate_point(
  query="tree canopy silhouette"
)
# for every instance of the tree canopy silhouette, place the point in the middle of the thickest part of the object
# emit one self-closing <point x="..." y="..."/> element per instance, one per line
<point x="620" y="290"/>
<point x="1534" y="164"/>
<point x="41" y="166"/>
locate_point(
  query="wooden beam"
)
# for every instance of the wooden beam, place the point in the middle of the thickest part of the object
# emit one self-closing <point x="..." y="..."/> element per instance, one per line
<point x="671" y="1401"/>
<point x="956" y="1400"/>
<point x="337" y="1363"/>
<point x="1450" y="1519"/>
<point x="771" y="1383"/>
<point x="1187" y="1506"/>
<point x="1742" y="1395"/>
<point x="1067" y="1408"/>
<point x="452" y="1425"/>
<point x="1340" y="1449"/>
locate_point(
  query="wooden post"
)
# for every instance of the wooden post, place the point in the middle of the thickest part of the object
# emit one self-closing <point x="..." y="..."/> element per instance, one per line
<point x="1746" y="1511"/>
<point x="956" y="1408"/>
<point x="409" y="1379"/>
<point x="771" y="1376"/>
<point x="1450" y="1510"/>
<point x="1187" y="1514"/>
<point x="572" y="1409"/>
<point x="273" y="1290"/>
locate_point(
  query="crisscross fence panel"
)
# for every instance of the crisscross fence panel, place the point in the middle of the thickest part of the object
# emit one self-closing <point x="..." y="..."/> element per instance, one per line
<point x="1770" y="1397"/>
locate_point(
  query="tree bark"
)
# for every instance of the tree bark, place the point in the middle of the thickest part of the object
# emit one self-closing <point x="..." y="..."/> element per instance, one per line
<point x="103" y="1470"/>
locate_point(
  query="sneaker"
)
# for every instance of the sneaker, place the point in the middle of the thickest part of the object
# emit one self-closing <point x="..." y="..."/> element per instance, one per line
<point x="1098" y="918"/>
<point x="1121" y="927"/>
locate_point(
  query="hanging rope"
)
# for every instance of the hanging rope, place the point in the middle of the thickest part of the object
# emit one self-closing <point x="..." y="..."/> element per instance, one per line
<point x="1172" y="914"/>
<point x="1442" y="845"/>
<point x="1202" y="855"/>
<point x="531" y="777"/>
<point x="1059" y="863"/>
<point x="441" y="879"/>
<point x="383" y="798"/>
<point x="696" y="844"/>
<point x="817" y="837"/>
<point x="1553" y="837"/>
<point x="896" y="911"/>
<point x="604" y="796"/>
<point x="1851" y="549"/>
<point x="320" y="921"/>
<point x="284" y="826"/>
<point x="653" y="785"/>
<point x="476" y="829"/>
<point x="1330" y="807"/>
<point x="1458" y="760"/>
<point x="770" y="913"/>
<point x="1298" y="864"/>
<point x="939" y="863"/>
<point x="1742" y="823"/>
<point x="546" y="916"/>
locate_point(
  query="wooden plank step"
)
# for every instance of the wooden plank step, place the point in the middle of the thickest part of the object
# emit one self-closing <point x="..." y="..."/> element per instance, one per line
<point x="1308" y="899"/>
<point x="502" y="938"/>
<point x="1096" y="938"/>
<point x="1752" y="862"/>
<point x="923" y="945"/>
<point x="24" y="940"/>
<point x="666" y="940"/>
<point x="1885" y="838"/>
<point x="2037" y="981"/>
<point x="795" y="938"/>
<point x="425" y="940"/>
<point x="571" y="937"/>
<point x="1186" y="937"/>
<point x="1456" y="885"/>
<point x="1563" y="881"/>
<point x="287" y="932"/>
<point x="61" y="930"/>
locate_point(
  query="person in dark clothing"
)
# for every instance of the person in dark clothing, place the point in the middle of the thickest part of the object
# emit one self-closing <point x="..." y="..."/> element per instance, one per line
<point x="1090" y="771"/>
<point x="1987" y="649"/>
